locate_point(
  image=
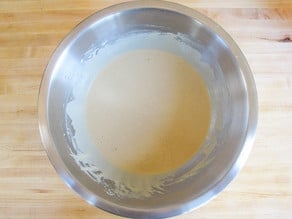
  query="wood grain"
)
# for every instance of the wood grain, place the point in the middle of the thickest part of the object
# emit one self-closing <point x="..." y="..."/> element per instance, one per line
<point x="29" y="32"/>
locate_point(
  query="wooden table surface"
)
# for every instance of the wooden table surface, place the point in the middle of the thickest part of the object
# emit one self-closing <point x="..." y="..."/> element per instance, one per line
<point x="29" y="32"/>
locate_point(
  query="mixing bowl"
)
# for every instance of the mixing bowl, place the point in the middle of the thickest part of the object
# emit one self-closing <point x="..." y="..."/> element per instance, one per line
<point x="162" y="26"/>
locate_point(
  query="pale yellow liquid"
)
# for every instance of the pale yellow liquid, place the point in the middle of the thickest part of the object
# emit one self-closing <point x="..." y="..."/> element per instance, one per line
<point x="148" y="112"/>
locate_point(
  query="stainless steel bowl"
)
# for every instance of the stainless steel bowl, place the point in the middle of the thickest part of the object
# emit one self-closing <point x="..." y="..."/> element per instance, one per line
<point x="231" y="87"/>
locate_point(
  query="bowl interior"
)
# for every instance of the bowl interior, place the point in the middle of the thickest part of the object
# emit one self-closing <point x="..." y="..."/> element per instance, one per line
<point x="207" y="47"/>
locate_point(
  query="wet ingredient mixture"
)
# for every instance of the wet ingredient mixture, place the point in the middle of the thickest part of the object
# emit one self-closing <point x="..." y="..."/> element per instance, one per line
<point x="148" y="111"/>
